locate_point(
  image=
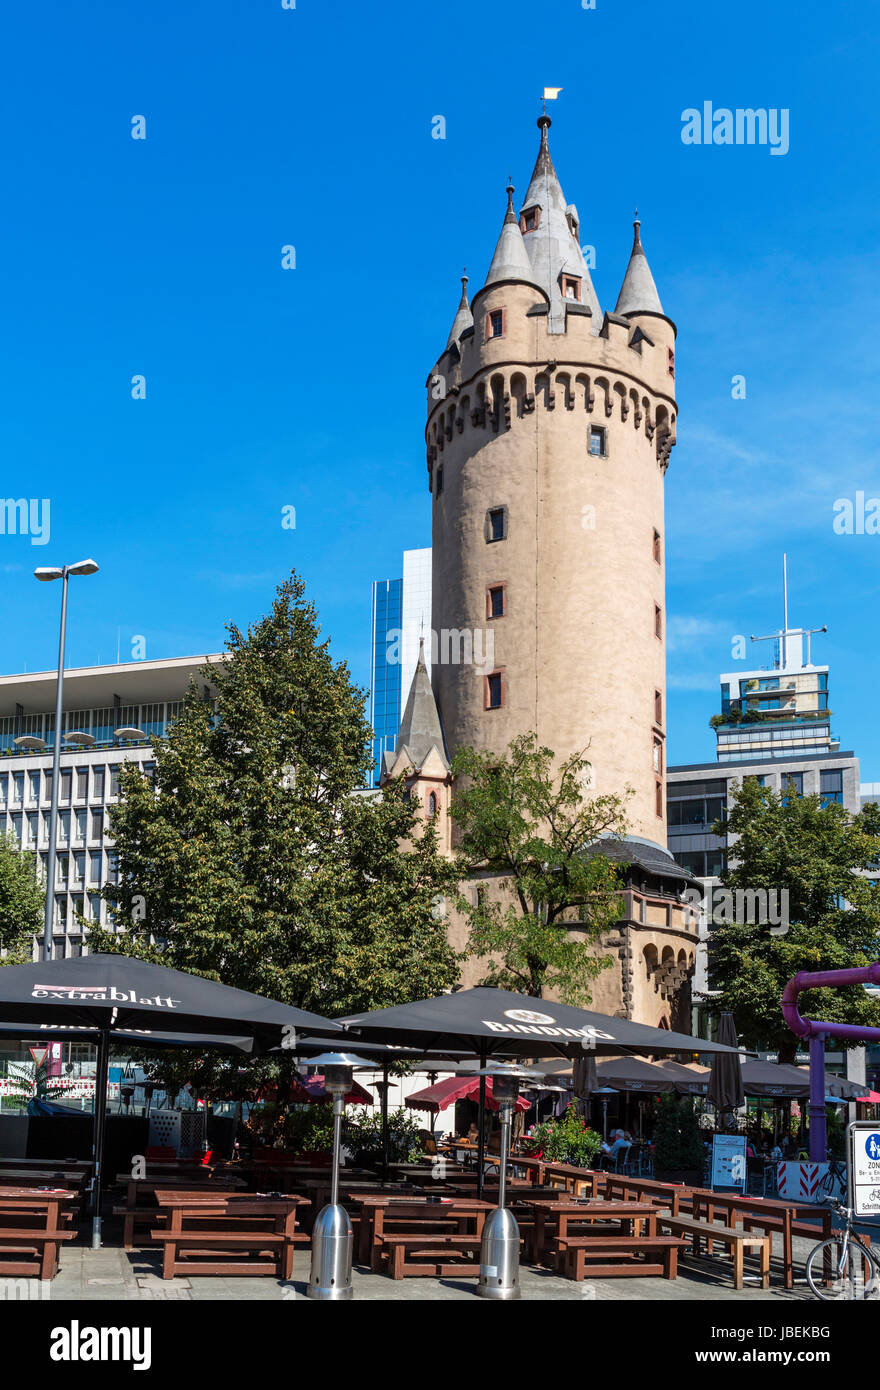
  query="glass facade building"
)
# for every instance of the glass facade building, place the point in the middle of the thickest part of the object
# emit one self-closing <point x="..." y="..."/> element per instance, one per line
<point x="385" y="668"/>
<point x="401" y="618"/>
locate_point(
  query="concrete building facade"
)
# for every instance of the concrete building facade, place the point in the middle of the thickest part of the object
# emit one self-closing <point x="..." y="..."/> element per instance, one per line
<point x="98" y="700"/>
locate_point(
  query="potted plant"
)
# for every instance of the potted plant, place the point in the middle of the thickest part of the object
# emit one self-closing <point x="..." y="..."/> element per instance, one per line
<point x="679" y="1153"/>
<point x="566" y="1140"/>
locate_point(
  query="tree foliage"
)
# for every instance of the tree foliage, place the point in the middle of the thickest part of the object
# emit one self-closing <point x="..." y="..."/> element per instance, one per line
<point x="819" y="855"/>
<point x="22" y="899"/>
<point x="530" y="823"/>
<point x="250" y="857"/>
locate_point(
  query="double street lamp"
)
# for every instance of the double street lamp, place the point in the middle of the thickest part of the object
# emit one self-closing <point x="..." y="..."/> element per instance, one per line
<point x="47" y="574"/>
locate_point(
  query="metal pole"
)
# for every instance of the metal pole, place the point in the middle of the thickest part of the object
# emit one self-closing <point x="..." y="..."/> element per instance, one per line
<point x="385" y="1121"/>
<point x="56" y="764"/>
<point x="506" y="1111"/>
<point x="338" y="1112"/>
<point x="98" y="1132"/>
<point x="481" y="1138"/>
<point x="817" y="1136"/>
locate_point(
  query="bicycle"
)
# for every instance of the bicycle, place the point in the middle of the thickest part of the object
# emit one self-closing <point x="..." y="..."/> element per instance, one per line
<point x="836" y="1177"/>
<point x="843" y="1268"/>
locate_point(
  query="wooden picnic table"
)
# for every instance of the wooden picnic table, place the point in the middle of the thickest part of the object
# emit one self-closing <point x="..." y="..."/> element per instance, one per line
<point x="140" y="1198"/>
<point x="209" y="1231"/>
<point x="67" y="1165"/>
<point x="581" y="1182"/>
<point x="32" y="1226"/>
<point x="43" y="1177"/>
<point x="377" y="1210"/>
<point x="768" y="1214"/>
<point x="554" y="1218"/>
<point x="620" y="1187"/>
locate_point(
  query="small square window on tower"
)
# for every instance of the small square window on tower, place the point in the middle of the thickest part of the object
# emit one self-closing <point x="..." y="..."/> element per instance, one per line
<point x="658" y="756"/>
<point x="495" y="690"/>
<point x="670" y="361"/>
<point x="530" y="219"/>
<point x="496" y="524"/>
<point x="496" y="601"/>
<point x="571" y="287"/>
<point x="495" y="324"/>
<point x="658" y="548"/>
<point x="658" y="621"/>
<point x="658" y="707"/>
<point x="658" y="803"/>
<point x="598" y="442"/>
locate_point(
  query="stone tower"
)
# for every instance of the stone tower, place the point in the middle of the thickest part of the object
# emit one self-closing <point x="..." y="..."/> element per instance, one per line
<point x="549" y="429"/>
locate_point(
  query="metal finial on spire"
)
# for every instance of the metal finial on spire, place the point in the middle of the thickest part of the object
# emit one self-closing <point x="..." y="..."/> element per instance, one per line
<point x="510" y="215"/>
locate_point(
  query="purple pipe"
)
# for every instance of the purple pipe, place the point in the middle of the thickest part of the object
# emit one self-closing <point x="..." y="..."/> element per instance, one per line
<point x="817" y="1032"/>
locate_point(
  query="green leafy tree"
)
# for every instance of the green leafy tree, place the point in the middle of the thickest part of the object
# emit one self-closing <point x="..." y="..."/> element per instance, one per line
<point x="530" y="825"/>
<point x="819" y="855"/>
<point x="249" y="858"/>
<point x="22" y="898"/>
<point x="678" y="1142"/>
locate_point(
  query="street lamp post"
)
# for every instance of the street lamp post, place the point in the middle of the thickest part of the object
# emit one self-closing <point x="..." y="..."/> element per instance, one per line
<point x="46" y="574"/>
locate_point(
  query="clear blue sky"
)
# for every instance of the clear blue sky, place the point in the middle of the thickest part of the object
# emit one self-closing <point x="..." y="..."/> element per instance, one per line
<point x="268" y="388"/>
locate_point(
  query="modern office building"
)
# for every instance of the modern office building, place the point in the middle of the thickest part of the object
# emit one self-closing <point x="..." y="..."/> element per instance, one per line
<point x="777" y="711"/>
<point x="141" y="698"/>
<point x="401" y="614"/>
<point x="774" y="725"/>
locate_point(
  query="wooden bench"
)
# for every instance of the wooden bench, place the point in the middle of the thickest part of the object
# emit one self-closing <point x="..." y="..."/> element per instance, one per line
<point x="31" y="1253"/>
<point x="274" y="1252"/>
<point x="204" y="1233"/>
<point x="429" y="1254"/>
<point x="732" y="1239"/>
<point x="660" y="1256"/>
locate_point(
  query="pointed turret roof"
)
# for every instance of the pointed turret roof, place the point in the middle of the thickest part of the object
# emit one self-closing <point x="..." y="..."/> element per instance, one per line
<point x="511" y="259"/>
<point x="463" y="318"/>
<point x="638" y="293"/>
<point x="552" y="248"/>
<point x="420" y="730"/>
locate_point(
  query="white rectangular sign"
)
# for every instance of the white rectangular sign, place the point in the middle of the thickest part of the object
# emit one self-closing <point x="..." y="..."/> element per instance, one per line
<point x="729" y="1161"/>
<point x="864" y="1167"/>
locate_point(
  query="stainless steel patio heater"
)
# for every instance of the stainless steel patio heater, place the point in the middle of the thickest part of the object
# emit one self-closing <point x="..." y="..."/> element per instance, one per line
<point x="330" y="1277"/>
<point x="499" y="1252"/>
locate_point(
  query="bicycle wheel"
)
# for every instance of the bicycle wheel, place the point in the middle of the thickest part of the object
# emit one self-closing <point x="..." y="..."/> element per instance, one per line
<point x="842" y="1273"/>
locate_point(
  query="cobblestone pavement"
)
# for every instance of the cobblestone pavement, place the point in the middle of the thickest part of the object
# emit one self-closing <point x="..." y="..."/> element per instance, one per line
<point x="113" y="1274"/>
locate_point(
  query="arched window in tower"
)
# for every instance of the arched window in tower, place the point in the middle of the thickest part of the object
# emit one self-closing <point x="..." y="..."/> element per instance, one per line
<point x="518" y="391"/>
<point x="432" y="804"/>
<point x="497" y="388"/>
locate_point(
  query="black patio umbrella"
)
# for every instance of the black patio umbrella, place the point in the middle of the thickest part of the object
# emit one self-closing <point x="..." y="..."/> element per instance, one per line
<point x="689" y="1080"/>
<point x="725" y="1089"/>
<point x="493" y="1022"/>
<point x="110" y="992"/>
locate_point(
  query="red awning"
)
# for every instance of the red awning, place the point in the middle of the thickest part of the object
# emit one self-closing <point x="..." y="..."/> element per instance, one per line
<point x="312" y="1088"/>
<point x="872" y="1098"/>
<point x="445" y="1093"/>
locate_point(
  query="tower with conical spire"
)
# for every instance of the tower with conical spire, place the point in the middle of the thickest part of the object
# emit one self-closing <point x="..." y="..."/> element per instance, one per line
<point x="549" y="430"/>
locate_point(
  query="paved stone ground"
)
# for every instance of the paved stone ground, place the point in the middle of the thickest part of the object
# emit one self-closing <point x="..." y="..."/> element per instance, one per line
<point x="112" y="1274"/>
